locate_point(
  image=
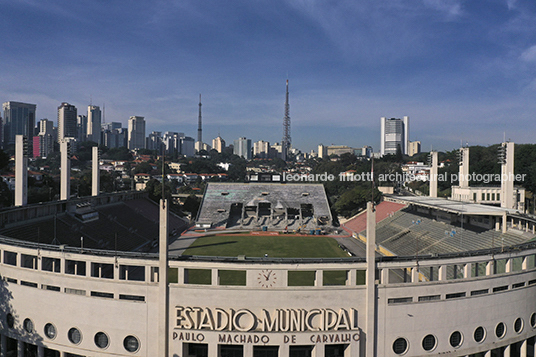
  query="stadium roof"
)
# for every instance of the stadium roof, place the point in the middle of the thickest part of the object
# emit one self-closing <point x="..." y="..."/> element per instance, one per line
<point x="457" y="207"/>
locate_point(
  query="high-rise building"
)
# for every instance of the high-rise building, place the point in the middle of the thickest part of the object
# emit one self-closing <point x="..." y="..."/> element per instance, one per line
<point x="67" y="121"/>
<point x="115" y="138"/>
<point x="154" y="141"/>
<point x="394" y="134"/>
<point x="19" y="119"/>
<point x="261" y="149"/>
<point x="322" y="151"/>
<point x="218" y="144"/>
<point x="414" y="148"/>
<point x="242" y="147"/>
<point x="94" y="119"/>
<point x="136" y="133"/>
<point x="81" y="123"/>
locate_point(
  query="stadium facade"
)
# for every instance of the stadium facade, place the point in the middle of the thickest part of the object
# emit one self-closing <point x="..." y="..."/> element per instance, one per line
<point x="64" y="301"/>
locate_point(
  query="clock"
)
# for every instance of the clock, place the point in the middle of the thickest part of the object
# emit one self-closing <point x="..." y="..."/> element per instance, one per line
<point x="266" y="278"/>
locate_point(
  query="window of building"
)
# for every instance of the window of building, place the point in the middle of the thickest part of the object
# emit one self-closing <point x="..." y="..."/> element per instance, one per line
<point x="500" y="330"/>
<point x="28" y="325"/>
<point x="10" y="320"/>
<point x="51" y="353"/>
<point x="74" y="335"/>
<point x="400" y="346"/>
<point x="101" y="270"/>
<point x="11" y="346"/>
<point x="50" y="264"/>
<point x="533" y="320"/>
<point x="518" y="325"/>
<point x="28" y="261"/>
<point x="456" y="339"/>
<point x="479" y="334"/>
<point x="50" y="331"/>
<point x="483" y="196"/>
<point x="428" y="342"/>
<point x="300" y="351"/>
<point x="196" y="349"/>
<point x="10" y="258"/>
<point x="265" y="351"/>
<point x="29" y="349"/>
<point x="335" y="350"/>
<point x="231" y="351"/>
<point x="75" y="267"/>
<point x="101" y="340"/>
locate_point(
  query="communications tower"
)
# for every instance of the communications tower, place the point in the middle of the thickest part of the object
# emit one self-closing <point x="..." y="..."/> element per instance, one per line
<point x="286" y="142"/>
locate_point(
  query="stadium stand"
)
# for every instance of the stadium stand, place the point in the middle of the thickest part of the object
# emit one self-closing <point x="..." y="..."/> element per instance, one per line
<point x="272" y="205"/>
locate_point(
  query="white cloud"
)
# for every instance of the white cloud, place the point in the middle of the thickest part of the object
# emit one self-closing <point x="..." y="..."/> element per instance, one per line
<point x="529" y="55"/>
<point x="450" y="7"/>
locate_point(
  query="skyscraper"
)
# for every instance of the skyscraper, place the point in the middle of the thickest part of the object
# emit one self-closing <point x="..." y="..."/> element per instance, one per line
<point x="242" y="147"/>
<point x="94" y="119"/>
<point x="286" y="142"/>
<point x="19" y="119"/>
<point x="67" y="121"/>
<point x="218" y="144"/>
<point x="394" y="134"/>
<point x="136" y="133"/>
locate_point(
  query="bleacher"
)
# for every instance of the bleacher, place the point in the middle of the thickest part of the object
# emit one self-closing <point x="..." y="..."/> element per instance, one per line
<point x="407" y="233"/>
<point x="259" y="201"/>
<point x="125" y="226"/>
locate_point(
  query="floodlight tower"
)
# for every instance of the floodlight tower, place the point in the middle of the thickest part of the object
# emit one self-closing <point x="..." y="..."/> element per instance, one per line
<point x="199" y="129"/>
<point x="286" y="142"/>
<point x="21" y="170"/>
<point x="433" y="173"/>
<point x="506" y="159"/>
<point x="463" y="162"/>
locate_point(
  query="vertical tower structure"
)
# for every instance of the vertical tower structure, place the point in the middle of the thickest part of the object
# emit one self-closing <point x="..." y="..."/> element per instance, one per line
<point x="506" y="159"/>
<point x="433" y="174"/>
<point x="95" y="182"/>
<point x="67" y="121"/>
<point x="463" y="167"/>
<point x="199" y="124"/>
<point x="94" y="120"/>
<point x="21" y="170"/>
<point x="163" y="287"/>
<point x="286" y="142"/>
<point x="65" y="174"/>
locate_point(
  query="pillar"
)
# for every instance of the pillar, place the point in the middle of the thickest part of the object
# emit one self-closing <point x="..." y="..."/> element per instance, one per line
<point x="65" y="174"/>
<point x="163" y="294"/>
<point x="95" y="172"/>
<point x="442" y="273"/>
<point x="370" y="323"/>
<point x="433" y="175"/>
<point x="21" y="170"/>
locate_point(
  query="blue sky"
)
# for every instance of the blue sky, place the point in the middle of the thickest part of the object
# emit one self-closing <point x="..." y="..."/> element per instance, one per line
<point x="461" y="70"/>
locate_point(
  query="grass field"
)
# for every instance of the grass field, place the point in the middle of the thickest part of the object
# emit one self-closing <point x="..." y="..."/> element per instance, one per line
<point x="280" y="246"/>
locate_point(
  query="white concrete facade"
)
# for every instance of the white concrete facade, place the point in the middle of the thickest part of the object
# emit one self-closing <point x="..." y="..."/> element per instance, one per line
<point x="120" y="296"/>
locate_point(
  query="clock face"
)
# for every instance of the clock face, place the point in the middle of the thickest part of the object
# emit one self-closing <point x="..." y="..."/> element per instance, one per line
<point x="267" y="278"/>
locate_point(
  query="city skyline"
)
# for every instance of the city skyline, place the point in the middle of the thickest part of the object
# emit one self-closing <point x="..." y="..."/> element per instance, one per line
<point x="463" y="71"/>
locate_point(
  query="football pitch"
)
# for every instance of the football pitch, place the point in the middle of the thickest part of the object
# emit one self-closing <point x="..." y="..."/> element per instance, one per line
<point x="275" y="246"/>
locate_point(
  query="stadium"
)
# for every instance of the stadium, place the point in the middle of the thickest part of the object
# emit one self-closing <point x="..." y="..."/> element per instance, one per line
<point x="114" y="275"/>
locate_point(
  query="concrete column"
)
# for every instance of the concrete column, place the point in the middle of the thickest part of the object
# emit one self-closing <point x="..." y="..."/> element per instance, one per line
<point x="95" y="172"/>
<point x="504" y="221"/>
<point x="212" y="350"/>
<point x="508" y="351"/>
<point x="433" y="175"/>
<point x="489" y="267"/>
<point x="40" y="351"/>
<point x="319" y="277"/>
<point x="525" y="263"/>
<point x="507" y="171"/>
<point x="163" y="293"/>
<point x="464" y="168"/>
<point x="21" y="171"/>
<point x="351" y="278"/>
<point x="508" y="266"/>
<point x="487" y="354"/>
<point x="319" y="351"/>
<point x="214" y="277"/>
<point x="385" y="276"/>
<point x="467" y="270"/>
<point x="370" y="322"/>
<point x="442" y="273"/>
<point x="248" y="350"/>
<point x="524" y="349"/>
<point x="65" y="174"/>
<point x="414" y="275"/>
<point x="20" y="348"/>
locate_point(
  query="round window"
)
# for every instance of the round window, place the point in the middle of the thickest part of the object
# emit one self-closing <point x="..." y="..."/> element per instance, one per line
<point x="50" y="331"/>
<point x="101" y="340"/>
<point x="400" y="346"/>
<point x="428" y="342"/>
<point x="533" y="320"/>
<point x="455" y="339"/>
<point x="10" y="320"/>
<point x="480" y="334"/>
<point x="500" y="330"/>
<point x="518" y="325"/>
<point x="74" y="335"/>
<point x="28" y="325"/>
<point x="131" y="344"/>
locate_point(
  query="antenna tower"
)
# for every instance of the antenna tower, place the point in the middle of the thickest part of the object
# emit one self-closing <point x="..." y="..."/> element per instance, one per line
<point x="199" y="130"/>
<point x="286" y="142"/>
